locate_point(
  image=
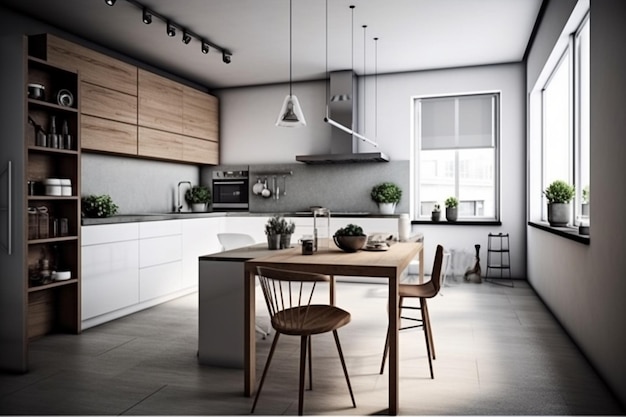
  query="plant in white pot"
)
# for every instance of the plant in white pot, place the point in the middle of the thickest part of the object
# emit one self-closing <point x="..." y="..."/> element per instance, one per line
<point x="452" y="209"/>
<point x="387" y="195"/>
<point x="198" y="197"/>
<point x="559" y="194"/>
<point x="585" y="205"/>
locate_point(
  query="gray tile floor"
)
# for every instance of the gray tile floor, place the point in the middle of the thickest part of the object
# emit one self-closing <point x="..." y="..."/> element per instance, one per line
<point x="499" y="352"/>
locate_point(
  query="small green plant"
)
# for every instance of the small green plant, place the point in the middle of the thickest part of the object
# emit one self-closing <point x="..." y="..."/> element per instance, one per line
<point x="277" y="225"/>
<point x="386" y="192"/>
<point x="98" y="206"/>
<point x="452" y="202"/>
<point x="198" y="194"/>
<point x="586" y="194"/>
<point x="350" y="230"/>
<point x="559" y="192"/>
<point x="436" y="208"/>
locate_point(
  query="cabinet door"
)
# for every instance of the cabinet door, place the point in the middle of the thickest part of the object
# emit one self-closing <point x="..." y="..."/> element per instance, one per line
<point x="93" y="66"/>
<point x="200" y="151"/>
<point x="159" y="144"/>
<point x="199" y="238"/>
<point x="160" y="102"/>
<point x="200" y="114"/>
<point x="108" y="104"/>
<point x="108" y="136"/>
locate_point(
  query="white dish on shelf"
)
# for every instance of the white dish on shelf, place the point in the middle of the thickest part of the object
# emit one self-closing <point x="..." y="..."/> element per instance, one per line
<point x="61" y="275"/>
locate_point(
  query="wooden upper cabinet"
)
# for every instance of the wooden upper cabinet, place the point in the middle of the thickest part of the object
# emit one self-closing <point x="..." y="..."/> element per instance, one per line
<point x="200" y="114"/>
<point x="200" y="151"/>
<point x="159" y="144"/>
<point x="160" y="102"/>
<point x="108" y="104"/>
<point x="108" y="136"/>
<point x="94" y="67"/>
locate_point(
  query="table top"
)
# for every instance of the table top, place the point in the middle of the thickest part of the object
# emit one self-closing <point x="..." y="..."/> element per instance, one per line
<point x="334" y="261"/>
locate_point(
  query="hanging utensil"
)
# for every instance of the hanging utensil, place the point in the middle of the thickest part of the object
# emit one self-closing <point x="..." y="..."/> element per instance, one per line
<point x="284" y="185"/>
<point x="258" y="187"/>
<point x="266" y="192"/>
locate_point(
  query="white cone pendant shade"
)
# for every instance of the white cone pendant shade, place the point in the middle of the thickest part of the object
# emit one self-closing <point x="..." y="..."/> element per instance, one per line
<point x="291" y="113"/>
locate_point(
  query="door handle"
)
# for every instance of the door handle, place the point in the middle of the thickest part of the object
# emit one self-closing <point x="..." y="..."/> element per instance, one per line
<point x="8" y="208"/>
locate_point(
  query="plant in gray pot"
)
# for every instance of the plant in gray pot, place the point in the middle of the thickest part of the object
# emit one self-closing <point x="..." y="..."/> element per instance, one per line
<point x="452" y="209"/>
<point x="273" y="230"/>
<point x="386" y="195"/>
<point x="559" y="194"/>
<point x="198" y="197"/>
<point x="285" y="235"/>
<point x="435" y="215"/>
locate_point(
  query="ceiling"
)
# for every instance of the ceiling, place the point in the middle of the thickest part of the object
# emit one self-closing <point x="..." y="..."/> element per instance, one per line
<point x="413" y="35"/>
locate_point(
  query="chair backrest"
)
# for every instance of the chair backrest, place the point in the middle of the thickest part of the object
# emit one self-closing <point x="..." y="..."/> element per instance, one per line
<point x="439" y="269"/>
<point x="234" y="240"/>
<point x="288" y="295"/>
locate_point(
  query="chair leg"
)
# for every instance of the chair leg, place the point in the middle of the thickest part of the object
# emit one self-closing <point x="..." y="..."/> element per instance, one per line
<point x="343" y="365"/>
<point x="386" y="348"/>
<point x="310" y="365"/>
<point x="430" y="330"/>
<point x="430" y="361"/>
<point x="303" y="345"/>
<point x="267" y="366"/>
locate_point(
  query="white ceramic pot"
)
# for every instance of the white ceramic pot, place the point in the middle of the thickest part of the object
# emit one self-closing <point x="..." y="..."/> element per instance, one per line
<point x="198" y="207"/>
<point x="387" y="208"/>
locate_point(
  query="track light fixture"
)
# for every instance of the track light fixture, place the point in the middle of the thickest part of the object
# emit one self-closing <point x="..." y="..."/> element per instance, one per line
<point x="171" y="30"/>
<point x="147" y="17"/>
<point x="186" y="37"/>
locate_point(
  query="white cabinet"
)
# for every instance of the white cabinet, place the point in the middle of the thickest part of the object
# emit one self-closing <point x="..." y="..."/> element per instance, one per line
<point x="110" y="269"/>
<point x="199" y="238"/>
<point x="251" y="225"/>
<point x="160" y="258"/>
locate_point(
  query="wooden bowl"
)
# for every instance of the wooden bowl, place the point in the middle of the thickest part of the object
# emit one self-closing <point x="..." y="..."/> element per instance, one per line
<point x="350" y="243"/>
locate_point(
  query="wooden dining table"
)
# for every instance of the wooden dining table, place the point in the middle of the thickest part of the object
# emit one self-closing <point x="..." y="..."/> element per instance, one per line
<point x="330" y="260"/>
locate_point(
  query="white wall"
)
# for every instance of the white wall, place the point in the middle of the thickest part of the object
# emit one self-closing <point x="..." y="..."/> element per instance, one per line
<point x="584" y="285"/>
<point x="249" y="136"/>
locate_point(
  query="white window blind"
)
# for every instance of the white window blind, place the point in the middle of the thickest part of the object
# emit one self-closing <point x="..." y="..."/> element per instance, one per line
<point x="458" y="122"/>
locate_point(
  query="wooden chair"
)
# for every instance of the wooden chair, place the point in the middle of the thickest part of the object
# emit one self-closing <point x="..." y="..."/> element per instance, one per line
<point x="289" y="296"/>
<point x="429" y="289"/>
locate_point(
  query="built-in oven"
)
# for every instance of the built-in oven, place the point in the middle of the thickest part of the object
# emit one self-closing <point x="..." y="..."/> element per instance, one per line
<point x="230" y="190"/>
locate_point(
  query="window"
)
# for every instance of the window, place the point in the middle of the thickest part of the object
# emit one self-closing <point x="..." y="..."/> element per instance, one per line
<point x="457" y="141"/>
<point x="565" y="122"/>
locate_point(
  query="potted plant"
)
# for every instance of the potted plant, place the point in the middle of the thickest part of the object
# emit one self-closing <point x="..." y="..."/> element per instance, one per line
<point x="198" y="196"/>
<point x="287" y="230"/>
<point x="436" y="213"/>
<point x="98" y="206"/>
<point x="279" y="232"/>
<point x="350" y="238"/>
<point x="585" y="206"/>
<point x="559" y="194"/>
<point x="386" y="195"/>
<point x="452" y="209"/>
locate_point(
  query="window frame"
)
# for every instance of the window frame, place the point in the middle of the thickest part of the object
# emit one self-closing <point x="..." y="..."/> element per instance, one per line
<point x="416" y="144"/>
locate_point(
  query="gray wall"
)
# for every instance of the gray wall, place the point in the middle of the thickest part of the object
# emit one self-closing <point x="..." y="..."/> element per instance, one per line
<point x="249" y="136"/>
<point x="584" y="285"/>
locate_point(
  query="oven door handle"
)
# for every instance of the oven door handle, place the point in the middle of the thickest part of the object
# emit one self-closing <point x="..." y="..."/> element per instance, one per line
<point x="229" y="182"/>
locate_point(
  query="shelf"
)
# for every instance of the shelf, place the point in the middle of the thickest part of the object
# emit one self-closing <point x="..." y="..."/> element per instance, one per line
<point x="54" y="284"/>
<point x="52" y="106"/>
<point x="52" y="240"/>
<point x="43" y="149"/>
<point x="52" y="197"/>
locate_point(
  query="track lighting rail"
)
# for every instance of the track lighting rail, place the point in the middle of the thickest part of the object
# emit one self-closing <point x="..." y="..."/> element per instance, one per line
<point x="171" y="26"/>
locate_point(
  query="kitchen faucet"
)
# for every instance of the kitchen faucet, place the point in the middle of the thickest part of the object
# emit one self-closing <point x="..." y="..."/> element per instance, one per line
<point x="179" y="207"/>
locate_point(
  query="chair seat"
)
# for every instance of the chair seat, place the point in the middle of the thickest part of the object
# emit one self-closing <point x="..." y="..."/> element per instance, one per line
<point x="318" y="319"/>
<point x="426" y="290"/>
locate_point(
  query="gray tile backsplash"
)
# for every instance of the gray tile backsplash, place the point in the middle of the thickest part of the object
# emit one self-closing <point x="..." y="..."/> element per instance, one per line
<point x="339" y="187"/>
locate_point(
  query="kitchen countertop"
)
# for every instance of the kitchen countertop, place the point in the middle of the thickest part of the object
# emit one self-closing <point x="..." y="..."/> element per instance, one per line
<point x="148" y="217"/>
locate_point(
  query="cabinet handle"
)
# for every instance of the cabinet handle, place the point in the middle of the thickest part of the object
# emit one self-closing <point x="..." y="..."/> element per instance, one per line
<point x="8" y="208"/>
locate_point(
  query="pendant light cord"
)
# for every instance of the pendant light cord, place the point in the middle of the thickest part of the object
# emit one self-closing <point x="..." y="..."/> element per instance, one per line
<point x="376" y="88"/>
<point x="290" y="59"/>
<point x="327" y="75"/>
<point x="364" y="82"/>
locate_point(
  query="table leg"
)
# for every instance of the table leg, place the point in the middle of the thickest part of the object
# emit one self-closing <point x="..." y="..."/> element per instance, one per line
<point x="393" y="344"/>
<point x="421" y="256"/>
<point x="249" y="335"/>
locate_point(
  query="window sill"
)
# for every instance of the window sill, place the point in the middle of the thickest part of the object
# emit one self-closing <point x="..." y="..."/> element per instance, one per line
<point x="570" y="233"/>
<point x="460" y="222"/>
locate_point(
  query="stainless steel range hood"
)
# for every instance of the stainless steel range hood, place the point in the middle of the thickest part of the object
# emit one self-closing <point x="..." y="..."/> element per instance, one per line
<point x="342" y="111"/>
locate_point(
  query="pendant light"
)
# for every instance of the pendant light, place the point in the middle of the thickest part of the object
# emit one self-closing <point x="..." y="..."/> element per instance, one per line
<point x="290" y="113"/>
